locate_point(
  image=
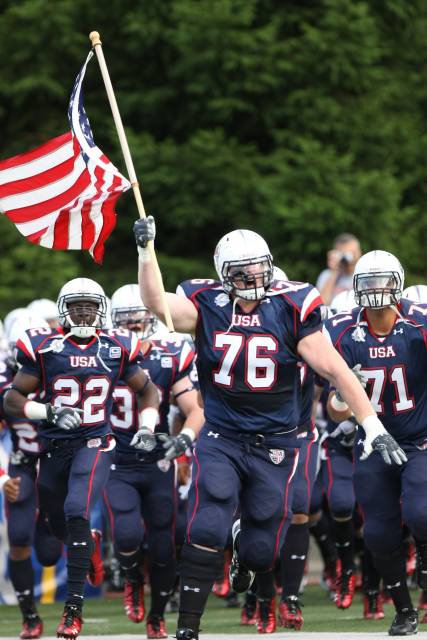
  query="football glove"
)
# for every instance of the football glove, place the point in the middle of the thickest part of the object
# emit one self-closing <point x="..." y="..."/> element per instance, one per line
<point x="346" y="431"/>
<point x="175" y="446"/>
<point x="144" y="230"/>
<point x="67" y="418"/>
<point x="144" y="440"/>
<point x="378" y="439"/>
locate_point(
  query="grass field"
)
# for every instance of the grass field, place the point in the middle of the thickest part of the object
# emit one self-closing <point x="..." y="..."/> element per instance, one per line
<point x="106" y="616"/>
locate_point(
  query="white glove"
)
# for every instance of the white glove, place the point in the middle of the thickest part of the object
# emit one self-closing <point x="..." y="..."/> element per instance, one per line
<point x="67" y="418"/>
<point x="378" y="439"/>
<point x="345" y="428"/>
<point x="144" y="440"/>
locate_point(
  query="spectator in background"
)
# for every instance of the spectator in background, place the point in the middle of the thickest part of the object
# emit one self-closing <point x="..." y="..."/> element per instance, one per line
<point x="341" y="261"/>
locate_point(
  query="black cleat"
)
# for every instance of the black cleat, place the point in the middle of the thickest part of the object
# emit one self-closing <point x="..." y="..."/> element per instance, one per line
<point x="241" y="578"/>
<point x="405" y="623"/>
<point x="186" y="634"/>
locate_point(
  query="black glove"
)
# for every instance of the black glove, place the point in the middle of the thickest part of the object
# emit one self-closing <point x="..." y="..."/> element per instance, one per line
<point x="175" y="446"/>
<point x="144" y="440"/>
<point x="390" y="451"/>
<point x="67" y="418"/>
<point x="144" y="230"/>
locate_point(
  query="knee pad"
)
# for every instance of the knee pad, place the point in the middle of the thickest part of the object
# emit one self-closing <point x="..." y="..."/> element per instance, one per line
<point x="209" y="527"/>
<point x="257" y="551"/>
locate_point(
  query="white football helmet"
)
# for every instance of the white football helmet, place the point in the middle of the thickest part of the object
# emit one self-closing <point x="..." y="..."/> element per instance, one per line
<point x="279" y="274"/>
<point x="236" y="256"/>
<point x="46" y="309"/>
<point x="416" y="293"/>
<point x="10" y="318"/>
<point x="129" y="311"/>
<point x="84" y="290"/>
<point x="378" y="280"/>
<point x="343" y="301"/>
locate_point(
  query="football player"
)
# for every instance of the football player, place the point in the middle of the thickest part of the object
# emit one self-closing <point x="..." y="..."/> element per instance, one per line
<point x="386" y="336"/>
<point x="76" y="367"/>
<point x="250" y="337"/>
<point x="142" y="484"/>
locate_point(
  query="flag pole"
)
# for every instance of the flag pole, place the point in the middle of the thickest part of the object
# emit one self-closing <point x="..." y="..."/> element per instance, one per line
<point x="97" y="46"/>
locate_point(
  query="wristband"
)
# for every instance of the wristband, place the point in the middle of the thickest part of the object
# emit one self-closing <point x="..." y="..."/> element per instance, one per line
<point x="35" y="410"/>
<point x="372" y="426"/>
<point x="3" y="479"/>
<point x="144" y="254"/>
<point x="338" y="405"/>
<point x="148" y="418"/>
<point x="188" y="431"/>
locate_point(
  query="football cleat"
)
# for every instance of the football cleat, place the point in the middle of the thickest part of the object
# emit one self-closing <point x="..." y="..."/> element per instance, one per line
<point x="249" y="610"/>
<point x="290" y="615"/>
<point x="345" y="590"/>
<point x="329" y="577"/>
<point x="221" y="588"/>
<point x="266" y="616"/>
<point x="32" y="627"/>
<point x="96" y="570"/>
<point x="156" y="627"/>
<point x="405" y="623"/>
<point x="186" y="634"/>
<point x="71" y="622"/>
<point x="133" y="600"/>
<point x="372" y="606"/>
<point x="241" y="578"/>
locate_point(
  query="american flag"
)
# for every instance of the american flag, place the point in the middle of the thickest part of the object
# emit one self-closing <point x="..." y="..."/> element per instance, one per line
<point x="62" y="194"/>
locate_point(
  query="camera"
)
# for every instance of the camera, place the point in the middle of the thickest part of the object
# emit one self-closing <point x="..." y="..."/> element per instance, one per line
<point x="346" y="258"/>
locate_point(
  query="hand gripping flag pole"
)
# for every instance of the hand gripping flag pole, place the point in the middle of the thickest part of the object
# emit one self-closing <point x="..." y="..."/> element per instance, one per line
<point x="97" y="46"/>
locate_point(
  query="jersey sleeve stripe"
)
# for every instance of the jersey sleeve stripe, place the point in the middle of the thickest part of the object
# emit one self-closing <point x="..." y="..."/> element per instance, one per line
<point x="135" y="347"/>
<point x="186" y="357"/>
<point x="312" y="301"/>
<point x="24" y="343"/>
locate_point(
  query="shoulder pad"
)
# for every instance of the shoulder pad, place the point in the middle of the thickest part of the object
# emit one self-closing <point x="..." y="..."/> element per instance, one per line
<point x="334" y="327"/>
<point x="302" y="295"/>
<point x="190" y="288"/>
<point x="127" y="339"/>
<point x="31" y="340"/>
<point x="415" y="311"/>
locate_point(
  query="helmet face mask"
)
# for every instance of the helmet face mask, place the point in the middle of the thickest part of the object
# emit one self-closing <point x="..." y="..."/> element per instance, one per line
<point x="378" y="280"/>
<point x="136" y="319"/>
<point x="82" y="320"/>
<point x="244" y="264"/>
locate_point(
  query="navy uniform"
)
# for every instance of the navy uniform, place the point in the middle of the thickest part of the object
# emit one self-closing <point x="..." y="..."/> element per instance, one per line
<point x="142" y="485"/>
<point x="247" y="452"/>
<point x="395" y="367"/>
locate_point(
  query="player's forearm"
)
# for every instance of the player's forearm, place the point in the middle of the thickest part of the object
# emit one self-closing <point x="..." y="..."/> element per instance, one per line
<point x="149" y="288"/>
<point x="352" y="393"/>
<point x="14" y="403"/>
<point x="194" y="420"/>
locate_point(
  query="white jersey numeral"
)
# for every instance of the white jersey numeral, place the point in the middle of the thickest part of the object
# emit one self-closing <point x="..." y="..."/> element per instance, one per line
<point x="260" y="368"/>
<point x="27" y="437"/>
<point x="122" y="416"/>
<point x="94" y="392"/>
<point x="397" y="376"/>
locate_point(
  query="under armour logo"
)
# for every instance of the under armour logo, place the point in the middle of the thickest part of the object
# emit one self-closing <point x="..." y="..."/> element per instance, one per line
<point x="215" y="435"/>
<point x="393" y="586"/>
<point x="396" y="331"/>
<point x="295" y="557"/>
<point x="195" y="589"/>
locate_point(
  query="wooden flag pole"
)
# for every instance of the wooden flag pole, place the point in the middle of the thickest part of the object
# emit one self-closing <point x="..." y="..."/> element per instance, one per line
<point x="97" y="46"/>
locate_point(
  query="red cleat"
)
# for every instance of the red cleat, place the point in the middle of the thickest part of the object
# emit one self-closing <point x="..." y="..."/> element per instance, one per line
<point x="221" y="588"/>
<point x="266" y="616"/>
<point x="32" y="627"/>
<point x="345" y="590"/>
<point x="290" y="615"/>
<point x="156" y="627"/>
<point x="372" y="606"/>
<point x="249" y="614"/>
<point x="134" y="600"/>
<point x="96" y="570"/>
<point x="71" y="623"/>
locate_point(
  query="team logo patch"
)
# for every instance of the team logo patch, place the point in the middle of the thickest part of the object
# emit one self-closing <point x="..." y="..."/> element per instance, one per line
<point x="94" y="443"/>
<point x="115" y="352"/>
<point x="358" y="334"/>
<point x="164" y="465"/>
<point x="57" y="346"/>
<point x="222" y="300"/>
<point x="276" y="455"/>
<point x="166" y="362"/>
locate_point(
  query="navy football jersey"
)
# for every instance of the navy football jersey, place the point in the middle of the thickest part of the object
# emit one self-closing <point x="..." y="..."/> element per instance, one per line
<point x="23" y="431"/>
<point x="248" y="362"/>
<point x="79" y="375"/>
<point x="395" y="365"/>
<point x="165" y="362"/>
